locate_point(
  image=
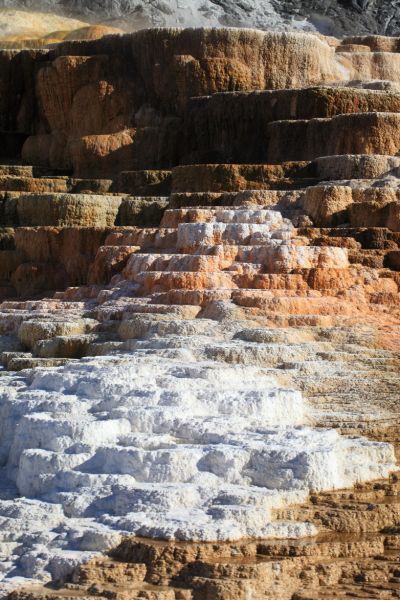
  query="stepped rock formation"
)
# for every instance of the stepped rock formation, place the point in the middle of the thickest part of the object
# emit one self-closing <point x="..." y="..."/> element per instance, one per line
<point x="200" y="317"/>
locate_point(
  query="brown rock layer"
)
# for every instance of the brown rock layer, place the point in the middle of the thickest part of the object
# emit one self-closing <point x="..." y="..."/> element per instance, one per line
<point x="139" y="88"/>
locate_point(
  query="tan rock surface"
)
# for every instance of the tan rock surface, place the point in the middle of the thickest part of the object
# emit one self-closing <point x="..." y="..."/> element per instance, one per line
<point x="100" y="155"/>
<point x="229" y="177"/>
<point x="66" y="210"/>
<point x="356" y="166"/>
<point x="368" y="133"/>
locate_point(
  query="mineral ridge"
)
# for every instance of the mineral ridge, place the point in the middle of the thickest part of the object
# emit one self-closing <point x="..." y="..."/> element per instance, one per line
<point x="200" y="317"/>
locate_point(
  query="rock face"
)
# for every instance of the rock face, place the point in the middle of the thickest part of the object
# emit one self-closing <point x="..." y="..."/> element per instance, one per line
<point x="327" y="16"/>
<point x="141" y="90"/>
<point x="200" y="318"/>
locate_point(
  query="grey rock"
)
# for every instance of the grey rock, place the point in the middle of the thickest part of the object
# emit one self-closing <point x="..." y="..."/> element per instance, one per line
<point x="336" y="17"/>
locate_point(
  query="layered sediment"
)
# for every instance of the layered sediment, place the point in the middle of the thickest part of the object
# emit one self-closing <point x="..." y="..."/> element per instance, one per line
<point x="200" y="318"/>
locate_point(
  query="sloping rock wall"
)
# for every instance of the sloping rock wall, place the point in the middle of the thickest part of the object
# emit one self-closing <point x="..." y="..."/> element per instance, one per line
<point x="138" y="87"/>
<point x="154" y="103"/>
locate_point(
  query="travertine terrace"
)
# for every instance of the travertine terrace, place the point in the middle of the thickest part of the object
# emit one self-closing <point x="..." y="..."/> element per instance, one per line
<point x="200" y="317"/>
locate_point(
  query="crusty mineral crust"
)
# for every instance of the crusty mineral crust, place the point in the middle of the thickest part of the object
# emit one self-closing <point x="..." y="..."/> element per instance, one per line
<point x="143" y="90"/>
<point x="139" y="87"/>
<point x="181" y="208"/>
<point x="357" y="555"/>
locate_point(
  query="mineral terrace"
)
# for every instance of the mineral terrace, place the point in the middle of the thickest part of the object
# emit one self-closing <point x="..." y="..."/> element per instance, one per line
<point x="200" y="317"/>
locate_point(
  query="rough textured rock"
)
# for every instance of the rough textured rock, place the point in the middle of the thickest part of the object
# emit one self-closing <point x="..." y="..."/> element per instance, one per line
<point x="66" y="253"/>
<point x="100" y="155"/>
<point x="365" y="166"/>
<point x="143" y="183"/>
<point x="65" y="210"/>
<point x="231" y="177"/>
<point x="137" y="90"/>
<point x="367" y="133"/>
<point x="141" y="90"/>
<point x="334" y="17"/>
<point x="235" y="127"/>
<point x="200" y="390"/>
<point x="228" y="242"/>
<point x="84" y="140"/>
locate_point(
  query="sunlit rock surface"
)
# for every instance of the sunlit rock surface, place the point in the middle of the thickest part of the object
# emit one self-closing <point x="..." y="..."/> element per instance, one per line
<point x="199" y="326"/>
<point x="329" y="17"/>
<point x="29" y="29"/>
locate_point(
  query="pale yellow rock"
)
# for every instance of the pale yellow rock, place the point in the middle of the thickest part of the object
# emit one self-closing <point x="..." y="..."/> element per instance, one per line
<point x="32" y="331"/>
<point x="17" y="24"/>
